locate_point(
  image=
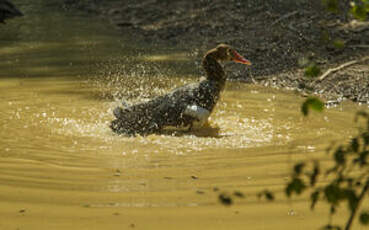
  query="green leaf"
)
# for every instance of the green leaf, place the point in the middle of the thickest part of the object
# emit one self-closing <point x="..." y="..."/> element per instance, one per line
<point x="331" y="227"/>
<point x="339" y="156"/>
<point x="365" y="137"/>
<point x="352" y="199"/>
<point x="298" y="168"/>
<point x="312" y="71"/>
<point x="315" y="173"/>
<point x="238" y="194"/>
<point x="312" y="103"/>
<point x="355" y="145"/>
<point x="359" y="12"/>
<point x="364" y="218"/>
<point x="362" y="157"/>
<point x="296" y="185"/>
<point x="268" y="195"/>
<point x="225" y="199"/>
<point x="333" y="194"/>
<point x="314" y="197"/>
<point x="339" y="43"/>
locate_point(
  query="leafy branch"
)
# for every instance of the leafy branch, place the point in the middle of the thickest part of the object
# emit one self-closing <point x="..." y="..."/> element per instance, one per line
<point x="349" y="175"/>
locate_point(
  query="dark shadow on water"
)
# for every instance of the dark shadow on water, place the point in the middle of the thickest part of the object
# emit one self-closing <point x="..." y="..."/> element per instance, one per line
<point x="202" y="132"/>
<point x="205" y="131"/>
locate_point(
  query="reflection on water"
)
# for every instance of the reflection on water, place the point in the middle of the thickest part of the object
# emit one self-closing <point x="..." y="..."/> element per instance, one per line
<point x="62" y="76"/>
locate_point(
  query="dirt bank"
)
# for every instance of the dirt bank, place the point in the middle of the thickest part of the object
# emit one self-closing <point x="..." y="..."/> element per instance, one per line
<point x="281" y="38"/>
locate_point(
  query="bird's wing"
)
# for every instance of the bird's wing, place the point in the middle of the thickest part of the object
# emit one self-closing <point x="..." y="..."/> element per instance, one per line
<point x="175" y="108"/>
<point x="181" y="107"/>
<point x="197" y="112"/>
<point x="137" y="119"/>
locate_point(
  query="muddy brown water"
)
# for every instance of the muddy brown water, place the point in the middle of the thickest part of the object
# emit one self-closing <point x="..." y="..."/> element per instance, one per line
<point x="61" y="167"/>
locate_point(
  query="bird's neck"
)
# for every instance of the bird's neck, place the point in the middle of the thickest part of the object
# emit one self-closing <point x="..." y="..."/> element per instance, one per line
<point x="214" y="71"/>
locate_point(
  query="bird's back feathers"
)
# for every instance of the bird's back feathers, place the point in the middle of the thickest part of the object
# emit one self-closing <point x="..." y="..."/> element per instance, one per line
<point x="167" y="110"/>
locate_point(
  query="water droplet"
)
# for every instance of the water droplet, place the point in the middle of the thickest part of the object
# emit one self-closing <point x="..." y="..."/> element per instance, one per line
<point x="291" y="212"/>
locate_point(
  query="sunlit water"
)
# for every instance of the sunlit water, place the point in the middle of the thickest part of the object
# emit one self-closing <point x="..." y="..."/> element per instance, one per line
<point x="61" y="167"/>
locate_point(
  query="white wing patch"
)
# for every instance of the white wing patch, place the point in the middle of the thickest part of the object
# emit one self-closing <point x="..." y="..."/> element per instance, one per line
<point x="197" y="112"/>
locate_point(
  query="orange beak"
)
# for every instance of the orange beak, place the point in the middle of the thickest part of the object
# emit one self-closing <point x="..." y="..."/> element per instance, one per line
<point x="239" y="59"/>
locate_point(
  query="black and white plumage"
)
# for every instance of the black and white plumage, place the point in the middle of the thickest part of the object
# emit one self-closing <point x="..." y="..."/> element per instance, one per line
<point x="183" y="106"/>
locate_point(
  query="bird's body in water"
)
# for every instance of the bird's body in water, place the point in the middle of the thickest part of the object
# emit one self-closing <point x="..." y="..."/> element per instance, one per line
<point x="183" y="106"/>
<point x="8" y="10"/>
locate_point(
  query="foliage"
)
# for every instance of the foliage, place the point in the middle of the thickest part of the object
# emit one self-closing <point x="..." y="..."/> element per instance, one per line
<point x="269" y="196"/>
<point x="227" y="199"/>
<point x="364" y="218"/>
<point x="312" y="70"/>
<point x="312" y="103"/>
<point x="359" y="8"/>
<point x="348" y="177"/>
<point x="339" y="43"/>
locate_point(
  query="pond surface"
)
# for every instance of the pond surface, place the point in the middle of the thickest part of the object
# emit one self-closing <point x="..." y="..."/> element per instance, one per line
<point x="61" y="167"/>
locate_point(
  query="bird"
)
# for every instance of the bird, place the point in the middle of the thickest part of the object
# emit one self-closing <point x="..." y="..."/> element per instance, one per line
<point x="184" y="106"/>
<point x="8" y="10"/>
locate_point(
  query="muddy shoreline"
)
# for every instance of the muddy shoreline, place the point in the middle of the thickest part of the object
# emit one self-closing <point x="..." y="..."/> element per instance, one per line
<point x="282" y="38"/>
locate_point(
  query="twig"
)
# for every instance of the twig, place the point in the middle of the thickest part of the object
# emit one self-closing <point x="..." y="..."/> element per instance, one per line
<point x="359" y="46"/>
<point x="344" y="65"/>
<point x="360" y="198"/>
<point x="332" y="70"/>
<point x="289" y="26"/>
<point x="253" y="80"/>
<point x="285" y="16"/>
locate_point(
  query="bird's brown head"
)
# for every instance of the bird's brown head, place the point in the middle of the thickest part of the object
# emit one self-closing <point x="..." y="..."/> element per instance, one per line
<point x="225" y="52"/>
